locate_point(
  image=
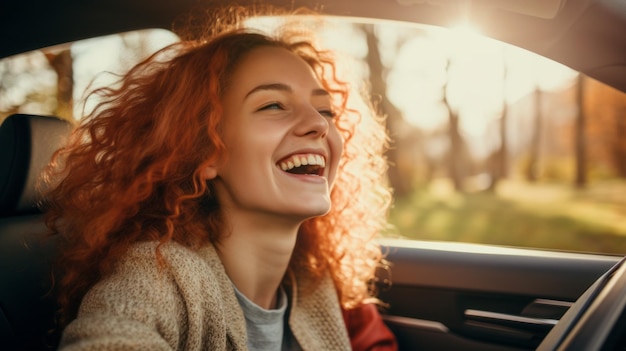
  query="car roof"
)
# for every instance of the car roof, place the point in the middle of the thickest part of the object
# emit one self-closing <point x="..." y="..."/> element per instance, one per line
<point x="586" y="35"/>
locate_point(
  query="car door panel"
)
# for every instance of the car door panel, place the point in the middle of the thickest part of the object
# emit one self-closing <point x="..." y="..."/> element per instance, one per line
<point x="477" y="297"/>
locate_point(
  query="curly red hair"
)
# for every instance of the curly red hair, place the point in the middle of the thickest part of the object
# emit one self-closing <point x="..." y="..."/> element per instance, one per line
<point x="132" y="170"/>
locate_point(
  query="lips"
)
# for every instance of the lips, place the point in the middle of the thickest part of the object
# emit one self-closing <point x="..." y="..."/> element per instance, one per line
<point x="309" y="164"/>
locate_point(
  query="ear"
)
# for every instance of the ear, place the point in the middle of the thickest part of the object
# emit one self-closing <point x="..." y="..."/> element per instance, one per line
<point x="209" y="172"/>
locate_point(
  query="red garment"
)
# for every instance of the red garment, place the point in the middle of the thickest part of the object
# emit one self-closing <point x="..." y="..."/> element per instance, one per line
<point x="367" y="330"/>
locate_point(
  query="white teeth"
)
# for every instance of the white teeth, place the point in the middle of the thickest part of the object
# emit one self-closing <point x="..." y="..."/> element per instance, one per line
<point x="319" y="160"/>
<point x="302" y="160"/>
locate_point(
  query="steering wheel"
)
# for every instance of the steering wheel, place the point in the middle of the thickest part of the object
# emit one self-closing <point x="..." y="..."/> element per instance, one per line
<point x="597" y="320"/>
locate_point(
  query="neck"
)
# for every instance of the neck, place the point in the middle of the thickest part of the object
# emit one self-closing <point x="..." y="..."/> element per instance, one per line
<point x="255" y="254"/>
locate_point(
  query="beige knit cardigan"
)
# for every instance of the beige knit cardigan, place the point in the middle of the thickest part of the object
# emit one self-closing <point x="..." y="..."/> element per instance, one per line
<point x="189" y="305"/>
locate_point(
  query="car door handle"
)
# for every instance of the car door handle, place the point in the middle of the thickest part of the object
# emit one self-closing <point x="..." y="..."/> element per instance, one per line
<point x="511" y="320"/>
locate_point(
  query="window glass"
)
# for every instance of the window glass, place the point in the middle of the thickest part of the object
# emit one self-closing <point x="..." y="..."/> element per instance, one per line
<point x="490" y="143"/>
<point x="53" y="81"/>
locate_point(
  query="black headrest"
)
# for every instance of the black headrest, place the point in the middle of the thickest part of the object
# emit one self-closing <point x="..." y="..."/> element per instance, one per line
<point x="27" y="143"/>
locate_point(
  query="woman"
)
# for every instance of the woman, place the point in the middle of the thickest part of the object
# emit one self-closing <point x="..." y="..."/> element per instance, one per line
<point x="223" y="196"/>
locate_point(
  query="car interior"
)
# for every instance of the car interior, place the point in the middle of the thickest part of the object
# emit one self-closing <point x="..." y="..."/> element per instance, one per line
<point x="440" y="295"/>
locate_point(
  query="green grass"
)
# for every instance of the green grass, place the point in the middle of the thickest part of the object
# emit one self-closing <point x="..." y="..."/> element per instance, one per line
<point x="550" y="216"/>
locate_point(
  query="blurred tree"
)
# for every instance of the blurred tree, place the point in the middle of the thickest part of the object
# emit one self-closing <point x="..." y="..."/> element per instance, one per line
<point x="456" y="160"/>
<point x="499" y="159"/>
<point x="532" y="167"/>
<point x="400" y="181"/>
<point x="579" y="135"/>
<point x="61" y="62"/>
<point x="607" y="128"/>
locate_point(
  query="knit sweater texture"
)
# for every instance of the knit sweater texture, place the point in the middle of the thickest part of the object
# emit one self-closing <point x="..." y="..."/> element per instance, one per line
<point x="189" y="304"/>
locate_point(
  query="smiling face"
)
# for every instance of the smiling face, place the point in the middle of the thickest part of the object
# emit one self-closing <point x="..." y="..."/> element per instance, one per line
<point x="283" y="146"/>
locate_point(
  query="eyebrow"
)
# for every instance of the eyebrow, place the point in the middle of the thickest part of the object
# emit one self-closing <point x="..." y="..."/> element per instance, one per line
<point x="284" y="87"/>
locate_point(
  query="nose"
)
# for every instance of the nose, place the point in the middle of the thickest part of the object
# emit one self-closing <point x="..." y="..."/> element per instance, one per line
<point x="312" y="123"/>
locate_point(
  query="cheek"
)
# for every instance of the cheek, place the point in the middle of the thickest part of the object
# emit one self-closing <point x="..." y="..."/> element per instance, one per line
<point x="335" y="141"/>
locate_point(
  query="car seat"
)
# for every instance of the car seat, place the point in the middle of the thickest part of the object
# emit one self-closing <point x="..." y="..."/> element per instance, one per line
<point x="27" y="303"/>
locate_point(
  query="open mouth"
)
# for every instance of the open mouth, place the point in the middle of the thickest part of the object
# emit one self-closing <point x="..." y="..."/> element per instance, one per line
<point x="306" y="164"/>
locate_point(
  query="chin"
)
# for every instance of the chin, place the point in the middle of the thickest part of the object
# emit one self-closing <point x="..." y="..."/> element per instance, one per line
<point x="310" y="212"/>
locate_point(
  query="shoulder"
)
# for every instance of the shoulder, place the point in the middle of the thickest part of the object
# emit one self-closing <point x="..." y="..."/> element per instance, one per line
<point x="150" y="274"/>
<point x="170" y="263"/>
<point x="150" y="270"/>
<point x="150" y="300"/>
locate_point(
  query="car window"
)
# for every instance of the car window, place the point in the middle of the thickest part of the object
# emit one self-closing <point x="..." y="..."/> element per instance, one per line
<point x="53" y="81"/>
<point x="489" y="143"/>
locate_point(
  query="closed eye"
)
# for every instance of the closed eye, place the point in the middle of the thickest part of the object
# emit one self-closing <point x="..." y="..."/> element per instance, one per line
<point x="327" y="113"/>
<point x="272" y="106"/>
